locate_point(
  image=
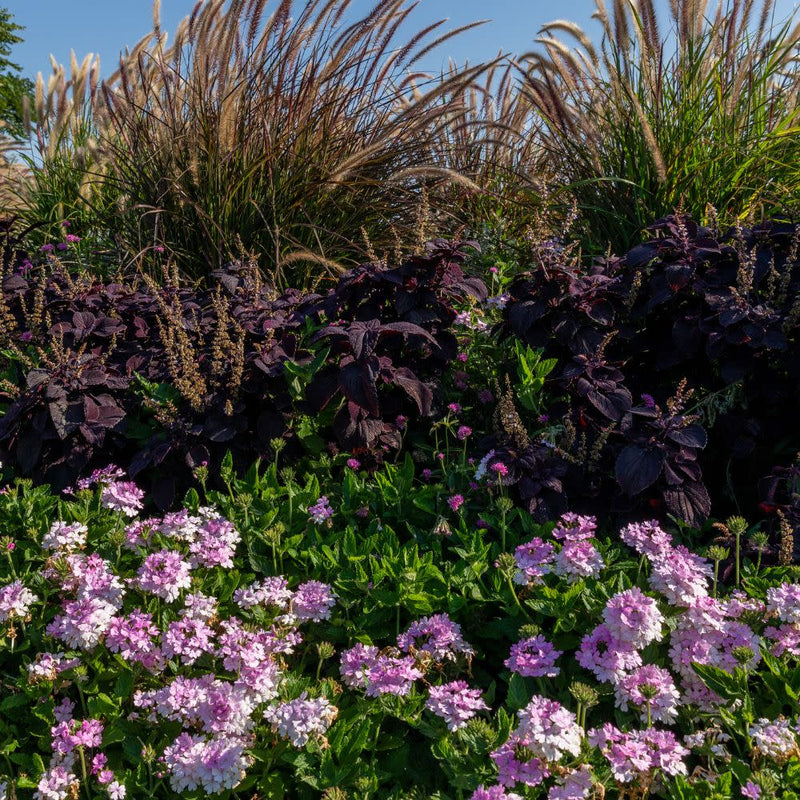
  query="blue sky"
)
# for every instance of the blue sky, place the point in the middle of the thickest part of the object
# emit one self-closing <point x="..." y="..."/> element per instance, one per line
<point x="107" y="26"/>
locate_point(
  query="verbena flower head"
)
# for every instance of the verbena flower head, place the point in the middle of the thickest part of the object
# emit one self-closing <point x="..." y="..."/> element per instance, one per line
<point x="273" y="591"/>
<point x="646" y="538"/>
<point x="65" y="537"/>
<point x="214" y="544"/>
<point x="355" y="663"/>
<point x="48" y="666"/>
<point x="572" y="527"/>
<point x="775" y="740"/>
<point x="134" y="637"/>
<point x="123" y="496"/>
<point x="786" y="639"/>
<point x="302" y="719"/>
<point x="313" y="600"/>
<point x="578" y="559"/>
<point x="56" y="784"/>
<point x="391" y="675"/>
<point x="548" y="729"/>
<point x="575" y="785"/>
<point x="516" y="763"/>
<point x="83" y="622"/>
<point x="784" y="600"/>
<point x="214" y="764"/>
<point x="494" y="793"/>
<point x="320" y="511"/>
<point x="533" y="560"/>
<point x="680" y="575"/>
<point x="633" y="618"/>
<point x="164" y="574"/>
<point x="437" y="635"/>
<point x="649" y="685"/>
<point x="635" y="755"/>
<point x="15" y="601"/>
<point x="605" y="656"/>
<point x="534" y="657"/>
<point x="455" y="703"/>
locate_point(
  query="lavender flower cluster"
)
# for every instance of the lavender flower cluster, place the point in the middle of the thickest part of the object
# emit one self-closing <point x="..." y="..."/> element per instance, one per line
<point x="242" y="678"/>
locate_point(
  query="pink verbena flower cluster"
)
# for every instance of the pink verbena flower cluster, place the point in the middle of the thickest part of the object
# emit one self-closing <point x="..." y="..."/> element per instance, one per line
<point x="635" y="755"/>
<point x="15" y="601"/>
<point x="534" y="657"/>
<point x="437" y="635"/>
<point x="676" y="572"/>
<point x="546" y="733"/>
<point x="302" y="719"/>
<point x="455" y="702"/>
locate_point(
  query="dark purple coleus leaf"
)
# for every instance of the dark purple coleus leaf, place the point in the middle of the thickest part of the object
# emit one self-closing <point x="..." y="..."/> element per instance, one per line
<point x="638" y="467"/>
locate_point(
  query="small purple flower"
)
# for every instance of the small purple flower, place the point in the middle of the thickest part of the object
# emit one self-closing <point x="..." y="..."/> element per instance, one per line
<point x="454" y="408"/>
<point x="463" y="432"/>
<point x="462" y="357"/>
<point x="62" y="246"/>
<point x="499" y="468"/>
<point x="71" y="238"/>
<point x="648" y="400"/>
<point x="485" y="396"/>
<point x="401" y="421"/>
<point x="363" y="512"/>
<point x="26" y="336"/>
<point x="47" y="248"/>
<point x="427" y="474"/>
<point x="455" y="502"/>
<point x="320" y="511"/>
<point x="543" y="419"/>
<point x="353" y="463"/>
<point x="751" y="790"/>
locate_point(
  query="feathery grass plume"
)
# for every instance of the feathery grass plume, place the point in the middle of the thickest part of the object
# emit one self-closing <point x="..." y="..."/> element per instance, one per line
<point x="705" y="111"/>
<point x="280" y="124"/>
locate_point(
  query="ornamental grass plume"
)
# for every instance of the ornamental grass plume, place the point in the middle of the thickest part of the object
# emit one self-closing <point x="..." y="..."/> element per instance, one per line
<point x="285" y="134"/>
<point x="634" y="128"/>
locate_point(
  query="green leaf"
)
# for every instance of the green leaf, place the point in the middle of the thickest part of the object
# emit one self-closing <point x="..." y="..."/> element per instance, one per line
<point x="102" y="704"/>
<point x="14" y="701"/>
<point x="719" y="681"/>
<point x="518" y="696"/>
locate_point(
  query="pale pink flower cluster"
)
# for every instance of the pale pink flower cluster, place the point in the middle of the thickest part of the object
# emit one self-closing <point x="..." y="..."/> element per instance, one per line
<point x="302" y="719"/>
<point x="635" y="755"/>
<point x="706" y="634"/>
<point x="775" y="739"/>
<point x="124" y="496"/>
<point x="533" y="560"/>
<point x="164" y="574"/>
<point x="455" y="702"/>
<point x="437" y="635"/>
<point x="65" y="537"/>
<point x="213" y="764"/>
<point x="677" y="573"/>
<point x="15" y="601"/>
<point x="546" y="732"/>
<point x="649" y="687"/>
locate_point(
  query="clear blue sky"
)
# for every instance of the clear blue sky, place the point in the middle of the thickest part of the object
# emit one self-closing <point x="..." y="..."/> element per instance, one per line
<point x="107" y="26"/>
